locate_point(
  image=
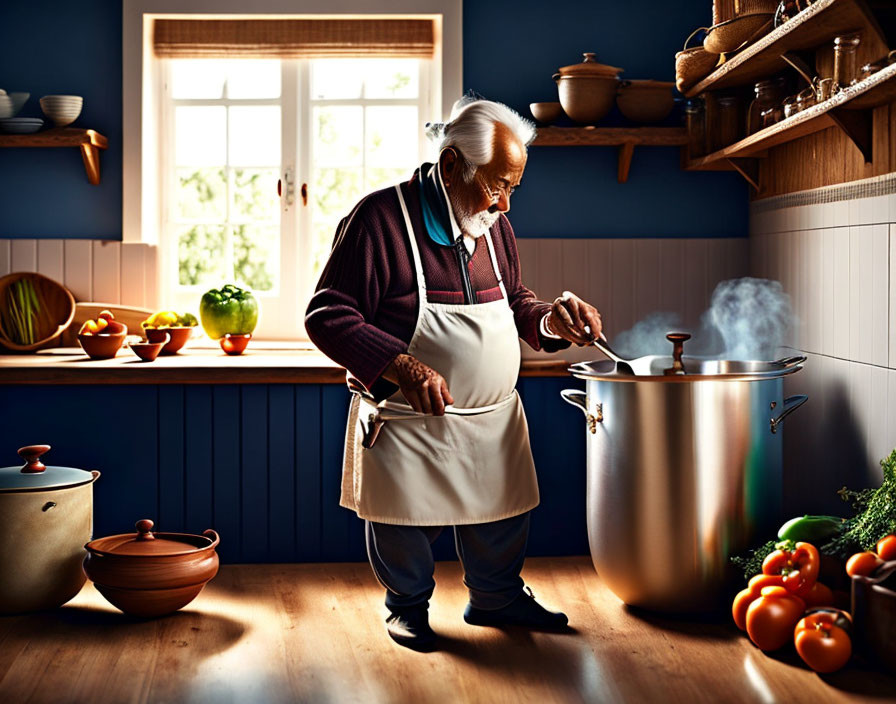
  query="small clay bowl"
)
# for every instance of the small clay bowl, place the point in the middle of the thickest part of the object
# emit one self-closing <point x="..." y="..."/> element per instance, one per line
<point x="148" y="351"/>
<point x="235" y="344"/>
<point x="546" y="113"/>
<point x="150" y="574"/>
<point x="101" y="346"/>
<point x="178" y="337"/>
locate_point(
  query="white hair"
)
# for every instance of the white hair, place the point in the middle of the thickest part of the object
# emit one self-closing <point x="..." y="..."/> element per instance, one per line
<point x="471" y="128"/>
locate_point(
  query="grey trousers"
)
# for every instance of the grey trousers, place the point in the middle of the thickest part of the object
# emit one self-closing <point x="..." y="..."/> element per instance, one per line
<point x="491" y="554"/>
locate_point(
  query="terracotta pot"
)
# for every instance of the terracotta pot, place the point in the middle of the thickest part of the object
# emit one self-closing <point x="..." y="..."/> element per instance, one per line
<point x="178" y="337"/>
<point x="148" y="351"/>
<point x="151" y="574"/>
<point x="101" y="346"/>
<point x="645" y="101"/>
<point x="235" y="344"/>
<point x="46" y="516"/>
<point x="587" y="90"/>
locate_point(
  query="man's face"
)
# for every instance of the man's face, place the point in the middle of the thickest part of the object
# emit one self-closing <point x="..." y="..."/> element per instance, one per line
<point x="479" y="203"/>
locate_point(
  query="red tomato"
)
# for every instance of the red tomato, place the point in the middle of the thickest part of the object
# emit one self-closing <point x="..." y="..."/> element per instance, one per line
<point x="106" y="315"/>
<point x="798" y="567"/>
<point x="819" y="595"/>
<point x="821" y="642"/>
<point x="863" y="563"/>
<point x="771" y="618"/>
<point x="747" y="596"/>
<point x="886" y="548"/>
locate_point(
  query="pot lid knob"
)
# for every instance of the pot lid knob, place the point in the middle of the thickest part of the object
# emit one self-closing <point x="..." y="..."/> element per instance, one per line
<point x="144" y="527"/>
<point x="31" y="454"/>
<point x="677" y="339"/>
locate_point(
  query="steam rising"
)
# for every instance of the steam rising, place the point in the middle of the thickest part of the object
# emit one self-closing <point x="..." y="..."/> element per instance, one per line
<point x="747" y="319"/>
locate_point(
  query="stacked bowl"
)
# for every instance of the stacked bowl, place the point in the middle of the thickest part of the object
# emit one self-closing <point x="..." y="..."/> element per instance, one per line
<point x="62" y="110"/>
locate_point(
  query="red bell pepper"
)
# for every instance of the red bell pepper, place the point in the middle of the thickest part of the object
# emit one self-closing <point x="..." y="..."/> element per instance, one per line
<point x="798" y="567"/>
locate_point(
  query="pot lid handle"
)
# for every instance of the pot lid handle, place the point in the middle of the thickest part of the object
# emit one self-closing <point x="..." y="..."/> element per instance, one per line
<point x="677" y="339"/>
<point x="144" y="528"/>
<point x="31" y="454"/>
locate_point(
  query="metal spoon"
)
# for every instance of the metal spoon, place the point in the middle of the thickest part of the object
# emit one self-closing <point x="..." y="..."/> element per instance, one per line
<point x="623" y="366"/>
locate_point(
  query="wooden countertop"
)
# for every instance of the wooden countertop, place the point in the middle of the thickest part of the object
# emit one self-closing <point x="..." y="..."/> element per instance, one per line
<point x="261" y="363"/>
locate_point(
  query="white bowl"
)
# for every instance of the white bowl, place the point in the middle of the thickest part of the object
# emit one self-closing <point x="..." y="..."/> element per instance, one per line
<point x="62" y="109"/>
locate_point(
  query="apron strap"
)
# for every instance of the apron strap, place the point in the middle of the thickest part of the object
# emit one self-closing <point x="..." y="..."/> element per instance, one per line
<point x="491" y="253"/>
<point x="415" y="253"/>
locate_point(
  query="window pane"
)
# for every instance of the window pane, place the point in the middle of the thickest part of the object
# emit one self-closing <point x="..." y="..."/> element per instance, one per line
<point x="383" y="178"/>
<point x="253" y="78"/>
<point x="336" y="78"/>
<point x="392" y="78"/>
<point x="256" y="254"/>
<point x="201" y="194"/>
<point x="334" y="193"/>
<point x="197" y="78"/>
<point x="392" y="135"/>
<point x="255" y="195"/>
<point x="337" y="136"/>
<point x="255" y="135"/>
<point x="200" y="136"/>
<point x="201" y="255"/>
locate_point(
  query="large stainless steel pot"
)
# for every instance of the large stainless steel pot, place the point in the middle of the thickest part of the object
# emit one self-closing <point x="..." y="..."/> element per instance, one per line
<point x="46" y="516"/>
<point x="684" y="470"/>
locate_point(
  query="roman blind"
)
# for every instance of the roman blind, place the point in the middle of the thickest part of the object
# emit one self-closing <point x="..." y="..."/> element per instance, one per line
<point x="293" y="38"/>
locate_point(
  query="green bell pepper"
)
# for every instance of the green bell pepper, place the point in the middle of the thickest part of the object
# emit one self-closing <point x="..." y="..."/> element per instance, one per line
<point x="229" y="309"/>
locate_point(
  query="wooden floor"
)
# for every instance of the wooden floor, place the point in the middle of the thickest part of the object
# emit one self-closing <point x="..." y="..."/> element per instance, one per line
<point x="314" y="633"/>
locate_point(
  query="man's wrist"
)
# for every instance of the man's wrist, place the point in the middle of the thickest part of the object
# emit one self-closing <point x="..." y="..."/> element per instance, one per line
<point x="545" y="328"/>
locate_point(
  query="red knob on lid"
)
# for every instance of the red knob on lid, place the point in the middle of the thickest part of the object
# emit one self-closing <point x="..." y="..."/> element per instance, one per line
<point x="144" y="527"/>
<point x="31" y="454"/>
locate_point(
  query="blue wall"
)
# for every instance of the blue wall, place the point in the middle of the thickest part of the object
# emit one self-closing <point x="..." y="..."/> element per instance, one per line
<point x="261" y="464"/>
<point x="511" y="49"/>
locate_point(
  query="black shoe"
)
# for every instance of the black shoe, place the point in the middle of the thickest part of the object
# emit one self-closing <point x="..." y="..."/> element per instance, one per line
<point x="410" y="627"/>
<point x="522" y="611"/>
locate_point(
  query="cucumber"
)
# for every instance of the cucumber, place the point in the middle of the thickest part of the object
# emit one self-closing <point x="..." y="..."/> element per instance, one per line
<point x="810" y="529"/>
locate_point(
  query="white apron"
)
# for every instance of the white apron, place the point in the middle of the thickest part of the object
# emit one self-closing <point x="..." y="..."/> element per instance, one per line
<point x="472" y="465"/>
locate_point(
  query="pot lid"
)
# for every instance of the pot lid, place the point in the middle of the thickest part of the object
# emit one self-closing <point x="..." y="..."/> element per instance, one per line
<point x="145" y="543"/>
<point x="34" y="475"/>
<point x="654" y="368"/>
<point x="589" y="67"/>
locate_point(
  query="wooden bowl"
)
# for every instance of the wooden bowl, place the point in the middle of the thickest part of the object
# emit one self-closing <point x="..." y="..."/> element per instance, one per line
<point x="57" y="310"/>
<point x="546" y="113"/>
<point x="150" y="574"/>
<point x="178" y="337"/>
<point x="645" y="101"/>
<point x="101" y="346"/>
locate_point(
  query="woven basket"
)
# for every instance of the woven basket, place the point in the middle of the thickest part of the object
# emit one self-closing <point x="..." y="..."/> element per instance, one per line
<point x="693" y="65"/>
<point x="754" y="7"/>
<point x="733" y="35"/>
<point x="724" y="10"/>
<point x="57" y="308"/>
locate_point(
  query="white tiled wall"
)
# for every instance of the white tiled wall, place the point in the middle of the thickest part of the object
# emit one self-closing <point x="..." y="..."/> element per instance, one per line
<point x="93" y="270"/>
<point x="627" y="279"/>
<point x="837" y="260"/>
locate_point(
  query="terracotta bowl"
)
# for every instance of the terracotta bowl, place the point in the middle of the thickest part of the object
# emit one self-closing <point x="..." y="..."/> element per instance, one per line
<point x="148" y="351"/>
<point x="178" y="337"/>
<point x="546" y="113"/>
<point x="586" y="99"/>
<point x="645" y="101"/>
<point x="235" y="344"/>
<point x="101" y="346"/>
<point x="151" y="574"/>
<point x="874" y="614"/>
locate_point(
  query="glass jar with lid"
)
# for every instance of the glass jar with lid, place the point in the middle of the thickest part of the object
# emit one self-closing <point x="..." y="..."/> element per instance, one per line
<point x="695" y="123"/>
<point x="766" y="108"/>
<point x="845" y="68"/>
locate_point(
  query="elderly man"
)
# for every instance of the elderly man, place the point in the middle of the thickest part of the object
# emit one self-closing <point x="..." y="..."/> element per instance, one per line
<point x="421" y="301"/>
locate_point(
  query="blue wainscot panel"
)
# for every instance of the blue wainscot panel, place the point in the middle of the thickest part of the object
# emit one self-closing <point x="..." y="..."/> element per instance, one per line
<point x="261" y="464"/>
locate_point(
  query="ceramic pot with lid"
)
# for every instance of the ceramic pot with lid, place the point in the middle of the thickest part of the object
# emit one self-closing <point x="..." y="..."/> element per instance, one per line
<point x="684" y="470"/>
<point x="46" y="516"/>
<point x="588" y="89"/>
<point x="150" y="574"/>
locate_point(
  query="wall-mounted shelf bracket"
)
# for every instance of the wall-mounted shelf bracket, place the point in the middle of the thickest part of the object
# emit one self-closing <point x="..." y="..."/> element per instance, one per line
<point x="858" y="126"/>
<point x="748" y="168"/>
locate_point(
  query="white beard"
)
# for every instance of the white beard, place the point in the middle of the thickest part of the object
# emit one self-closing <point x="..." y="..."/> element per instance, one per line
<point x="477" y="224"/>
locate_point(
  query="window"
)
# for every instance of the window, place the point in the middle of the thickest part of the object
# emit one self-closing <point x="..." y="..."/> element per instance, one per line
<point x="222" y="136"/>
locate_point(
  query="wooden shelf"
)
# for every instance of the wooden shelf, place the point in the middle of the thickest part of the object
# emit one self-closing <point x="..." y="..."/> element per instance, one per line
<point x="813" y="27"/>
<point x="626" y="138"/>
<point x="848" y="110"/>
<point x="88" y="141"/>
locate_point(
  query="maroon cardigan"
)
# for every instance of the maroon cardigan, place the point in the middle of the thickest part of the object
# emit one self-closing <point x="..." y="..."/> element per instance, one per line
<point x="364" y="310"/>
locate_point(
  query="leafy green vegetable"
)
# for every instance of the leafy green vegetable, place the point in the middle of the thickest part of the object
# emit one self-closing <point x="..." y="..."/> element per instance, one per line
<point x="751" y="563"/>
<point x="875" y="515"/>
<point x="18" y="319"/>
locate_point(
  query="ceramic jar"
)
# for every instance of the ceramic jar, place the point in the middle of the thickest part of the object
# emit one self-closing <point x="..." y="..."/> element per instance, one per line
<point x="588" y="89"/>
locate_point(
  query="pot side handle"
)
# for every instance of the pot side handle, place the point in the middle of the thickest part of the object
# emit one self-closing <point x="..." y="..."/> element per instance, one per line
<point x="213" y="536"/>
<point x="790" y="361"/>
<point x="791" y="403"/>
<point x="578" y="398"/>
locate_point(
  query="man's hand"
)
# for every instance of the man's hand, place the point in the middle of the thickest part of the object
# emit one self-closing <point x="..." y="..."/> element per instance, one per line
<point x="424" y="388"/>
<point x="569" y="317"/>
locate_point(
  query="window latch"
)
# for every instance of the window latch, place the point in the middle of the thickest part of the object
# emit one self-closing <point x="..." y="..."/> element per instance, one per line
<point x="289" y="178"/>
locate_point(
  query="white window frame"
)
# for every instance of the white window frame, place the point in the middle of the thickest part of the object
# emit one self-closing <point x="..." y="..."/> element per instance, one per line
<point x="140" y="114"/>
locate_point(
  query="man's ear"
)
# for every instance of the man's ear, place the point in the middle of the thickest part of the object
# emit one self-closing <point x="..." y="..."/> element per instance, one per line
<point x="449" y="163"/>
